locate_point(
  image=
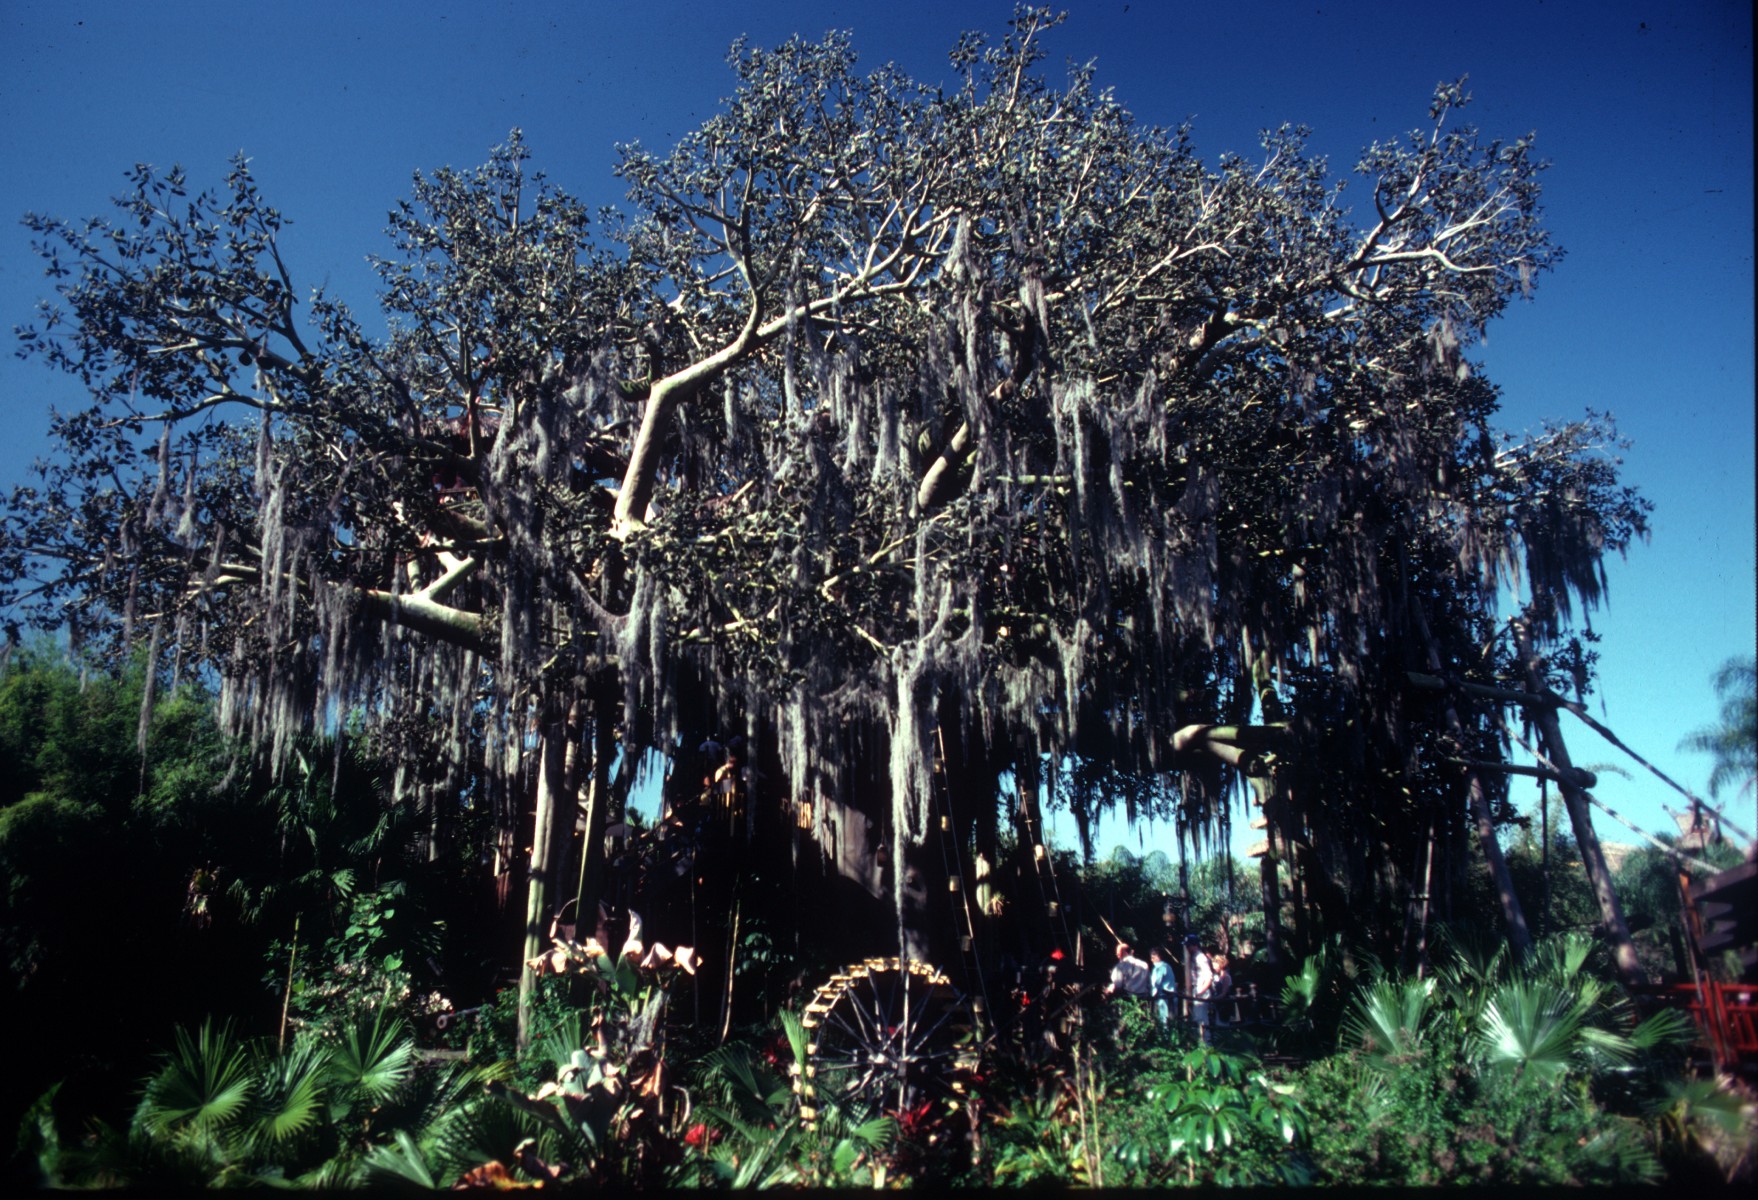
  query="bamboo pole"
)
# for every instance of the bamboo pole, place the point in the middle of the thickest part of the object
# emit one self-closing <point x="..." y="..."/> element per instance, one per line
<point x="287" y="995"/>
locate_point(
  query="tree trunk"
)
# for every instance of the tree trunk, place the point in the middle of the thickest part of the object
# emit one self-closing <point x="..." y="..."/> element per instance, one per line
<point x="554" y="804"/>
<point x="598" y="802"/>
<point x="1032" y="855"/>
<point x="1519" y="934"/>
<point x="1269" y="883"/>
<point x="565" y="820"/>
<point x="1611" y="913"/>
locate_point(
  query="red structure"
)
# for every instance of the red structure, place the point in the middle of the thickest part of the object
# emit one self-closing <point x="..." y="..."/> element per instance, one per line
<point x="1721" y="916"/>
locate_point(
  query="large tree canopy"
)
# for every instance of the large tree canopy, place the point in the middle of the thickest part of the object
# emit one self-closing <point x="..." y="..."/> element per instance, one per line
<point x="884" y="406"/>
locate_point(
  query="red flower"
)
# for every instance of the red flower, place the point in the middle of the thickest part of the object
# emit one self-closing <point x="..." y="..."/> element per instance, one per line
<point x="913" y="1121"/>
<point x="699" y="1136"/>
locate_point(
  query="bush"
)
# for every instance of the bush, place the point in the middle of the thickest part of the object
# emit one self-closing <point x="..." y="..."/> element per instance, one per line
<point x="1431" y="1120"/>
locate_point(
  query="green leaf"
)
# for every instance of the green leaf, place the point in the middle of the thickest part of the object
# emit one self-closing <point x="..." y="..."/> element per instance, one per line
<point x="204" y="1084"/>
<point x="291" y="1092"/>
<point x="374" y="1057"/>
<point x="405" y="1161"/>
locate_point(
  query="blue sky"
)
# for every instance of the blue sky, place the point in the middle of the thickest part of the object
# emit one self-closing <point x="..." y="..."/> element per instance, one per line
<point x="1645" y="110"/>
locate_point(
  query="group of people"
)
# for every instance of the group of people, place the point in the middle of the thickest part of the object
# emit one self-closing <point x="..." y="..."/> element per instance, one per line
<point x="1157" y="980"/>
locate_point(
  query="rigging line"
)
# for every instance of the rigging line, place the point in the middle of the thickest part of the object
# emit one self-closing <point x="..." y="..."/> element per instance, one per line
<point x="1611" y="737"/>
<point x="952" y="843"/>
<point x="1044" y="866"/>
<point x="1674" y="851"/>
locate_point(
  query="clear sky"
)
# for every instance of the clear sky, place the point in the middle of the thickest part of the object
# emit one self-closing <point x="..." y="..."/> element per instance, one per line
<point x="1645" y="110"/>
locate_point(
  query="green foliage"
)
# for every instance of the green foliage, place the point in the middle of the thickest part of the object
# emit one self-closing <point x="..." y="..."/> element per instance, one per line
<point x="1131" y="892"/>
<point x="749" y="1132"/>
<point x="325" y="1111"/>
<point x="1229" y="1123"/>
<point x="370" y="1062"/>
<point x="1490" y="1071"/>
<point x="1733" y="740"/>
<point x="1434" y="1121"/>
<point x="1713" y="1116"/>
<point x="1311" y="1002"/>
<point x="205" y="1085"/>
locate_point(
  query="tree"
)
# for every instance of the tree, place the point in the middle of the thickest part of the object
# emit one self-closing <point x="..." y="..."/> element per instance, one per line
<point x="1734" y="740"/>
<point x="886" y="410"/>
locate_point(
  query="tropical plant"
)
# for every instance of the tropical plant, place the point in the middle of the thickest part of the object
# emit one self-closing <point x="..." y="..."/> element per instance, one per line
<point x="1733" y="740"/>
<point x="204" y="1086"/>
<point x="1716" y="1116"/>
<point x="1033" y="1140"/>
<point x="608" y="1110"/>
<point x="220" y="1109"/>
<point x="1434" y="1120"/>
<point x="371" y="1061"/>
<point x="1387" y="1024"/>
<point x="1491" y="1069"/>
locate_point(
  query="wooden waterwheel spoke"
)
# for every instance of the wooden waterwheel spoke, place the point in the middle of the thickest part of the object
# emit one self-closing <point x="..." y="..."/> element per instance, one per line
<point x="836" y="1019"/>
<point x="923" y="1036"/>
<point x="887" y="1030"/>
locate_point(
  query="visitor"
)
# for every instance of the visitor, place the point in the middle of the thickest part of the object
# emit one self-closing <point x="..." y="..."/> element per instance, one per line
<point x="1202" y="983"/>
<point x="1221" y="993"/>
<point x="1130" y="976"/>
<point x="1163" y="985"/>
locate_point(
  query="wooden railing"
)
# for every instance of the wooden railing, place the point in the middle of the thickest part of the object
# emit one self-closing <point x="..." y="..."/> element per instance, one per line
<point x="1726" y="1015"/>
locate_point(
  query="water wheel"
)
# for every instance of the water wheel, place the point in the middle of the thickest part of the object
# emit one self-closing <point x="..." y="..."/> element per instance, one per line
<point x="883" y="1036"/>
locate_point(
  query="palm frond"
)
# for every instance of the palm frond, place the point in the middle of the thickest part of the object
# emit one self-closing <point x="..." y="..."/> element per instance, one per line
<point x="1668" y="1028"/>
<point x="372" y="1059"/>
<point x="205" y="1082"/>
<point x="739" y="1082"/>
<point x="1558" y="959"/>
<point x="1532" y="1027"/>
<point x="1386" y="1023"/>
<point x="482" y="1130"/>
<point x="331" y="1175"/>
<point x="405" y="1160"/>
<point x="1471" y="962"/>
<point x="559" y="1041"/>
<point x="290" y="1092"/>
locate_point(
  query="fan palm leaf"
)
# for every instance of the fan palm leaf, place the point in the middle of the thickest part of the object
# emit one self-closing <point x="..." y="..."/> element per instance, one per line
<point x="1537" y="1028"/>
<point x="289" y="1094"/>
<point x="1386" y="1023"/>
<point x="484" y="1130"/>
<point x="753" y="1091"/>
<point x="405" y="1161"/>
<point x="371" y="1061"/>
<point x="205" y="1082"/>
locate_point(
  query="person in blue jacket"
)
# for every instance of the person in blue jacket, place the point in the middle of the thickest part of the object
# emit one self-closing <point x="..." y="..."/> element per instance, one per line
<point x="1162" y="985"/>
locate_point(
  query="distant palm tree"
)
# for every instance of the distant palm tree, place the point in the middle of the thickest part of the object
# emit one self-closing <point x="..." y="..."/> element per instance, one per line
<point x="1734" y="739"/>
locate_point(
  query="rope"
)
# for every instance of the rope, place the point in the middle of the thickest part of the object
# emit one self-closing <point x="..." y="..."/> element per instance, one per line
<point x="1614" y="814"/>
<point x="952" y="859"/>
<point x="1042" y="867"/>
<point x="1611" y="737"/>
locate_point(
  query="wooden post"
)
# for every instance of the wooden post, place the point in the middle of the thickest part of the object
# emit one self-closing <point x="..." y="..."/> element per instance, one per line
<point x="1581" y="818"/>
